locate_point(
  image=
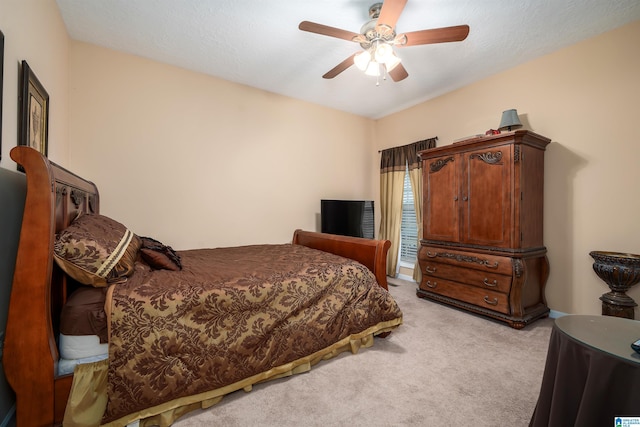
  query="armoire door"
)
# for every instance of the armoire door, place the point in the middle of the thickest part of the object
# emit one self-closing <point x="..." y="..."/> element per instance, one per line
<point x="487" y="196"/>
<point x="441" y="188"/>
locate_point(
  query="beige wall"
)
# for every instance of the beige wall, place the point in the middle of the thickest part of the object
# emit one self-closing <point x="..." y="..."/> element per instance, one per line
<point x="196" y="161"/>
<point x="585" y="98"/>
<point x="34" y="31"/>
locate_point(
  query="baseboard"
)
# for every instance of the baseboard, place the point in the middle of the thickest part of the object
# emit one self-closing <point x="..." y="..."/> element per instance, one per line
<point x="9" y="419"/>
<point x="555" y="314"/>
<point x="405" y="277"/>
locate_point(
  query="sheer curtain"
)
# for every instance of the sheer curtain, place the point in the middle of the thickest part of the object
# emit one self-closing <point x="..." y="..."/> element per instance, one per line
<point x="393" y="164"/>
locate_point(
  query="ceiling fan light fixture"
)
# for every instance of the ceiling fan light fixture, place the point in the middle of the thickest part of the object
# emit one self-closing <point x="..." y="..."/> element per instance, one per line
<point x="384" y="51"/>
<point x="391" y="62"/>
<point x="362" y="60"/>
<point x="373" y="69"/>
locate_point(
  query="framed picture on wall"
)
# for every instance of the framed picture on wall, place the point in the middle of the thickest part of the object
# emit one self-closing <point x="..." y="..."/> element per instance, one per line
<point x="34" y="111"/>
<point x="1" y="84"/>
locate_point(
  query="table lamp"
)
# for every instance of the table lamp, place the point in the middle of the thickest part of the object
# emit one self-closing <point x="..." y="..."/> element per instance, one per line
<point x="509" y="120"/>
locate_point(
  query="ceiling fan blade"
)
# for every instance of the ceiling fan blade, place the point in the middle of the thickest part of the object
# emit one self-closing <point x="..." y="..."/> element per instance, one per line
<point x="435" y="35"/>
<point x="398" y="73"/>
<point x="339" y="68"/>
<point x="390" y="12"/>
<point x="325" y="30"/>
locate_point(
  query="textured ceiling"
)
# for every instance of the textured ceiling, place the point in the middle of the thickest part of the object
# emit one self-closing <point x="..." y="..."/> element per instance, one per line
<point x="257" y="42"/>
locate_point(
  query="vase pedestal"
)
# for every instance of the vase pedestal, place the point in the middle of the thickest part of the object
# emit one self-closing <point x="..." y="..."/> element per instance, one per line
<point x="620" y="271"/>
<point x="614" y="305"/>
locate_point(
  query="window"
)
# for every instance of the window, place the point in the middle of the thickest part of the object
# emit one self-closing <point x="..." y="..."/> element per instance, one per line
<point x="409" y="226"/>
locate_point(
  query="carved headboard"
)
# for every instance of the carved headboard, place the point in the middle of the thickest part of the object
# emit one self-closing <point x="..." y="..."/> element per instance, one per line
<point x="54" y="198"/>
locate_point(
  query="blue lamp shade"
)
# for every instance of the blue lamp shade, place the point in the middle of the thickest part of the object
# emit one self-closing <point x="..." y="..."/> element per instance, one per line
<point x="509" y="120"/>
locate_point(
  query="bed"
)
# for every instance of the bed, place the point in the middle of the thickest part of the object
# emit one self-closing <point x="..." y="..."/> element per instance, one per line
<point x="182" y="328"/>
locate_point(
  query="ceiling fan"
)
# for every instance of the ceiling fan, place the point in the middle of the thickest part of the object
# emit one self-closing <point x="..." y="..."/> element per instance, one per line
<point x="377" y="38"/>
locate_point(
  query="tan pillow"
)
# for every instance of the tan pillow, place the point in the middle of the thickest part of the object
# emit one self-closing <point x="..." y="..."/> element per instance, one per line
<point x="96" y="250"/>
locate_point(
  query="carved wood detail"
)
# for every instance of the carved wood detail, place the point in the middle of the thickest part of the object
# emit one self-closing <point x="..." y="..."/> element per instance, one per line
<point x="488" y="157"/>
<point x="463" y="258"/>
<point x="77" y="197"/>
<point x="518" y="267"/>
<point x="439" y="164"/>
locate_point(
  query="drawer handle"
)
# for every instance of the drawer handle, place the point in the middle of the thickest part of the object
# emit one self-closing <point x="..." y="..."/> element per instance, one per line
<point x="430" y="285"/>
<point x="431" y="255"/>
<point x="486" y="264"/>
<point x="430" y="270"/>
<point x="494" y="302"/>
<point x="491" y="285"/>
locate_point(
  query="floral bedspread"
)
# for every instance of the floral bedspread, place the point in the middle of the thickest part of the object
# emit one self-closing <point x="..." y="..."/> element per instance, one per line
<point x="231" y="313"/>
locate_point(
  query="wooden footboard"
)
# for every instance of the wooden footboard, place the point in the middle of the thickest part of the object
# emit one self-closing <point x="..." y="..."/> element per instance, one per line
<point x="54" y="198"/>
<point x="371" y="253"/>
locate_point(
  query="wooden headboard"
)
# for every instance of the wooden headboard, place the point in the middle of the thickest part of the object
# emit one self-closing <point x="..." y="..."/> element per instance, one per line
<point x="54" y="198"/>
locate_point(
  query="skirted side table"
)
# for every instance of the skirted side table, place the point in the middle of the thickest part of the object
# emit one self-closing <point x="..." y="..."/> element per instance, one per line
<point x="592" y="375"/>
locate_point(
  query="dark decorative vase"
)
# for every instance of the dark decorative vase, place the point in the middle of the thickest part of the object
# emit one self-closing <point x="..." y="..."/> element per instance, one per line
<point x="620" y="272"/>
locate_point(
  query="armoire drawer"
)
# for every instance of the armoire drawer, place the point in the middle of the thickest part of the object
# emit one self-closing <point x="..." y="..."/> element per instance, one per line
<point x="488" y="299"/>
<point x="477" y="261"/>
<point x="479" y="278"/>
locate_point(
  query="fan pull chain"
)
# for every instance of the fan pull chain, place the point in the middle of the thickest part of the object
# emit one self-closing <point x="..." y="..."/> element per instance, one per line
<point x="381" y="70"/>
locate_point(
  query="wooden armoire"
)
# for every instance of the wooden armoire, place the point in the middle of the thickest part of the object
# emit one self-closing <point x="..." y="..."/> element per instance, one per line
<point x="482" y="248"/>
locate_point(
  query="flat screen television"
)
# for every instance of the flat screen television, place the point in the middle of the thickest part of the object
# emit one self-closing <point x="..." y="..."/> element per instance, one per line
<point x="348" y="217"/>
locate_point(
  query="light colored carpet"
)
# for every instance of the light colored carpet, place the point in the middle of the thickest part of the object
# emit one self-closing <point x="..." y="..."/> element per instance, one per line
<point x="441" y="367"/>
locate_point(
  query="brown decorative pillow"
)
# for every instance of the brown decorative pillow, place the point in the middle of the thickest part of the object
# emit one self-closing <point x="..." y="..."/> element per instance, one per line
<point x="96" y="250"/>
<point x="83" y="313"/>
<point x="159" y="256"/>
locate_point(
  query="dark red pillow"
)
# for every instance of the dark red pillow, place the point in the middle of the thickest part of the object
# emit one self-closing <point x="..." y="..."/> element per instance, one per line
<point x="159" y="256"/>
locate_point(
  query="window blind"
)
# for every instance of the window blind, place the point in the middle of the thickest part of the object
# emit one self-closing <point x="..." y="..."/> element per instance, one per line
<point x="409" y="226"/>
